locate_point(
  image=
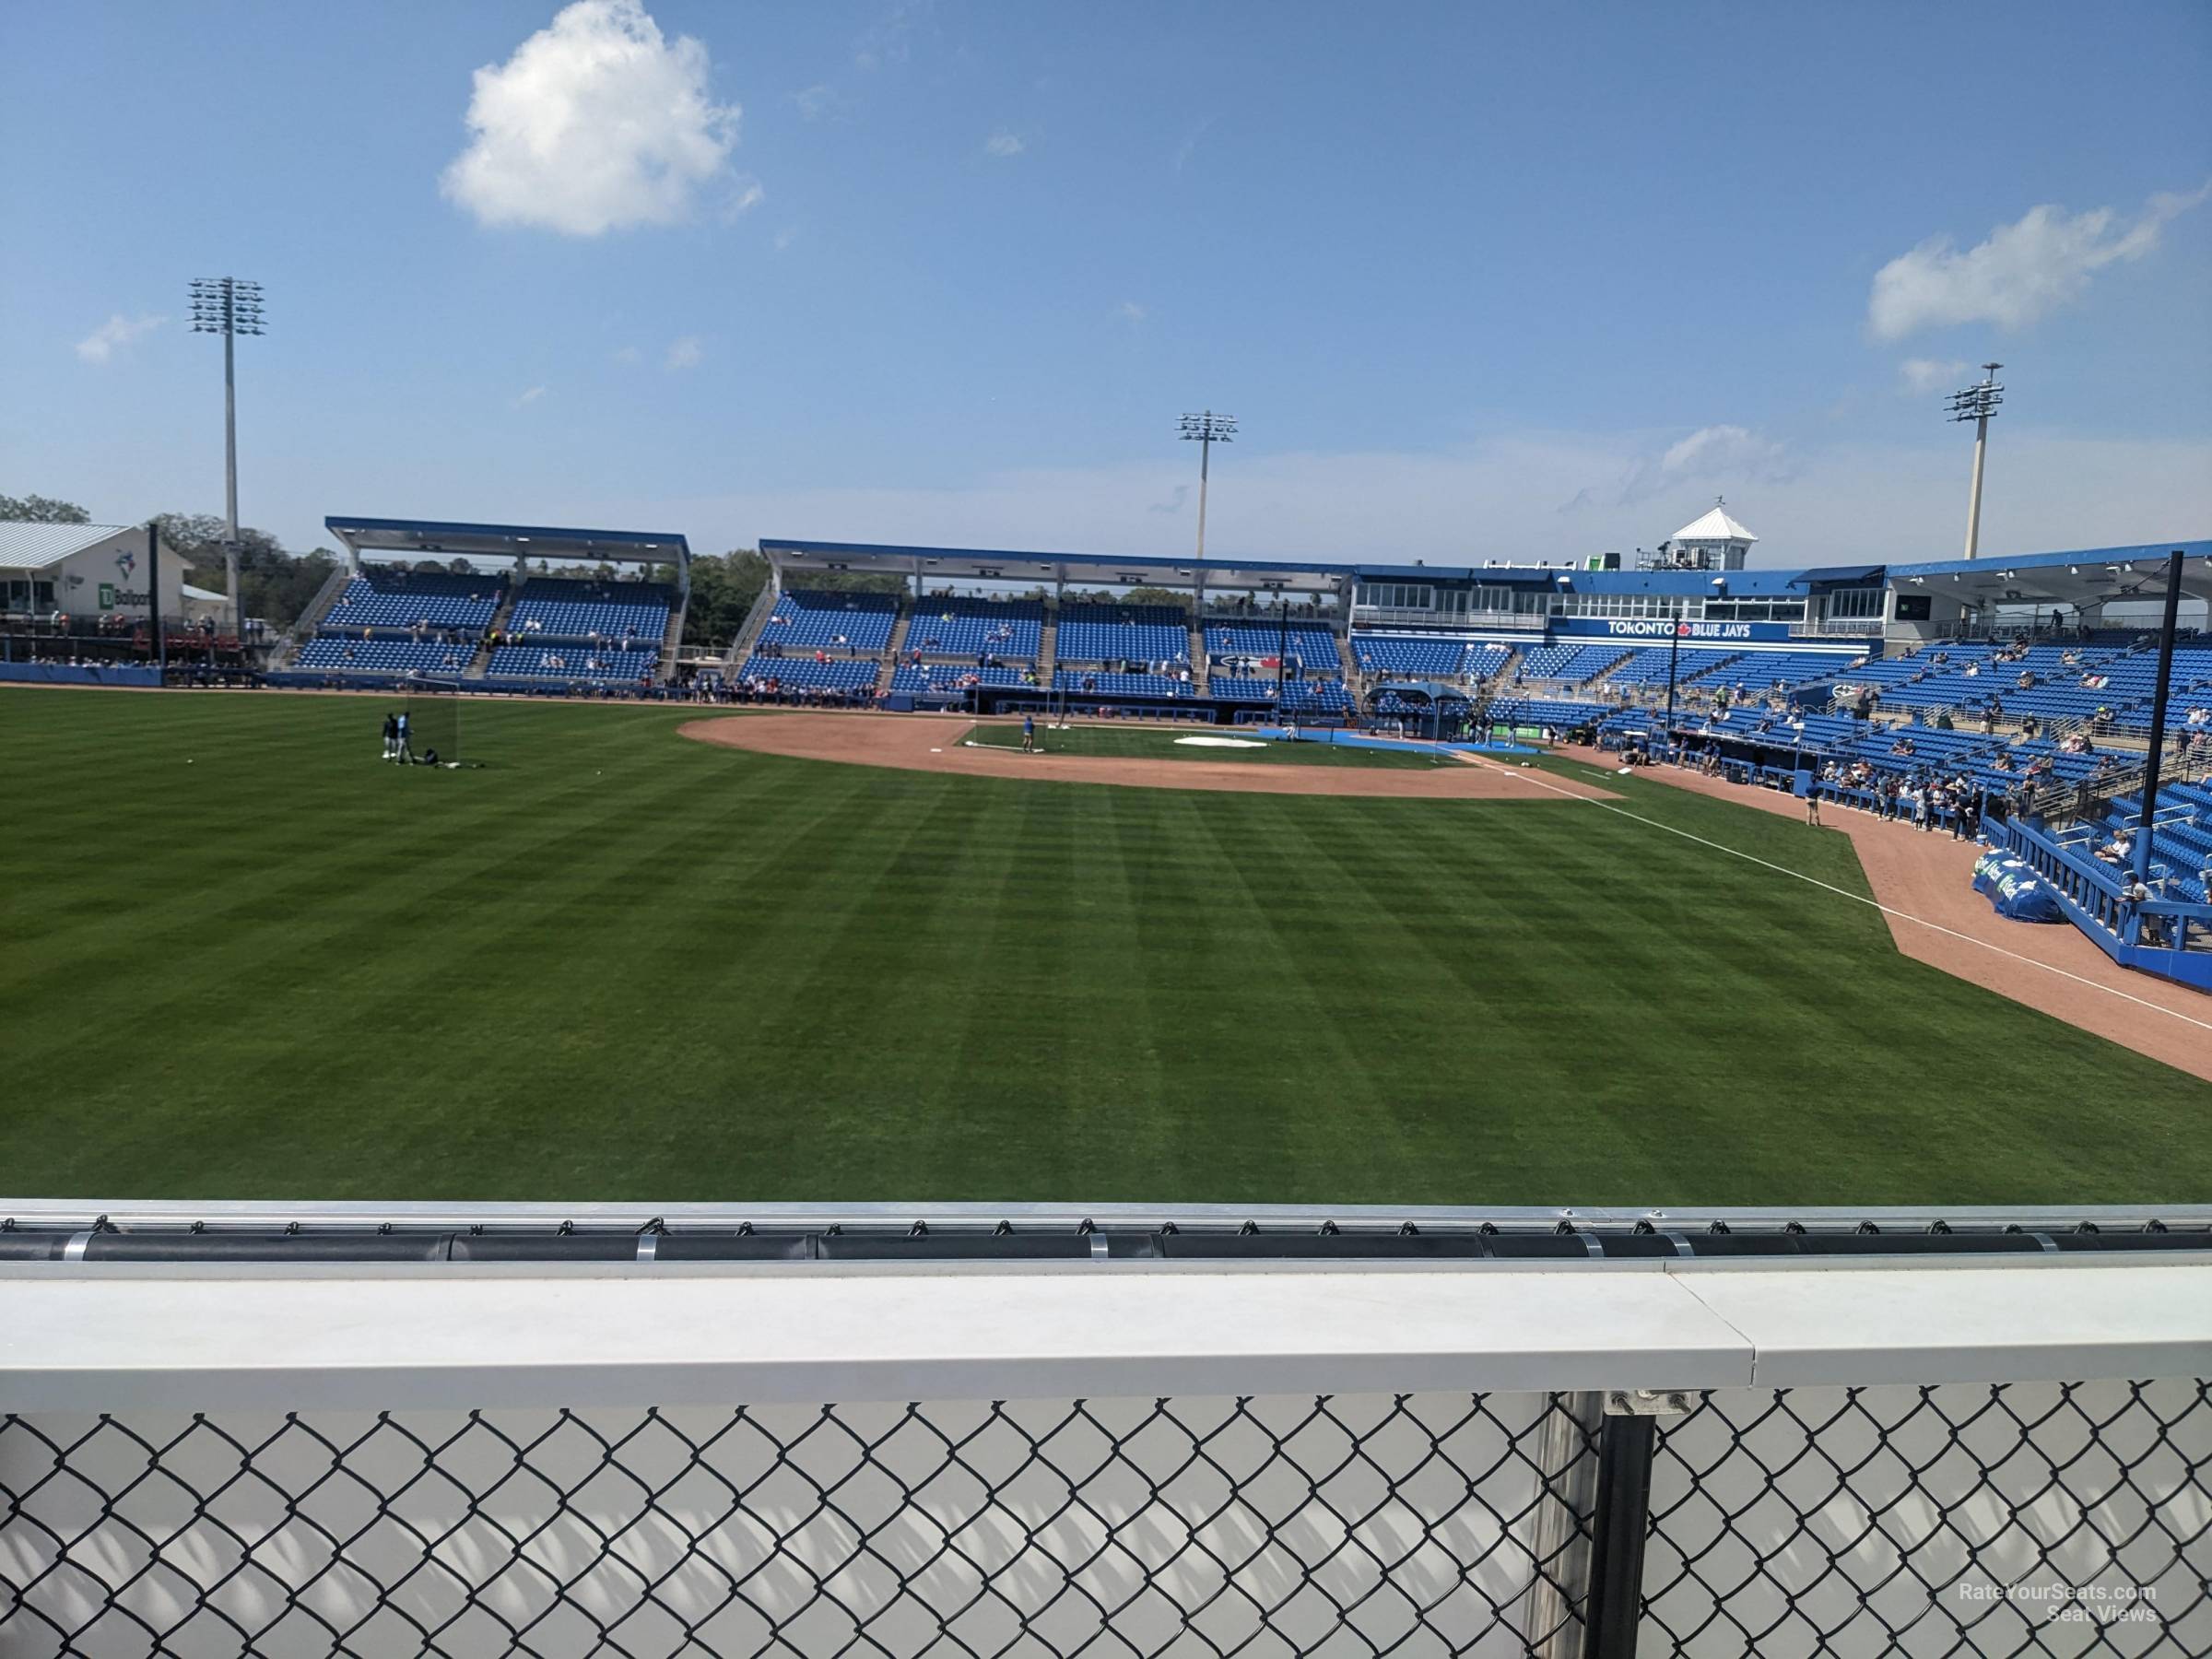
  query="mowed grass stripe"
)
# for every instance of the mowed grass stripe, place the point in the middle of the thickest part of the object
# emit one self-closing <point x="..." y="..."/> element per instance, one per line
<point x="615" y="964"/>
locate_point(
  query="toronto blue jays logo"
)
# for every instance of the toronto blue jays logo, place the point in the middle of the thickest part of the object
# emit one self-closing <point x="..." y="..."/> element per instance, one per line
<point x="127" y="562"/>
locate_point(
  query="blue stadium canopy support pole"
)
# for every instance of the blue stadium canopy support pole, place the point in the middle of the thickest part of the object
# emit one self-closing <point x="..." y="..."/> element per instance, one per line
<point x="1282" y="645"/>
<point x="1674" y="655"/>
<point x="2158" y="715"/>
<point x="153" y="594"/>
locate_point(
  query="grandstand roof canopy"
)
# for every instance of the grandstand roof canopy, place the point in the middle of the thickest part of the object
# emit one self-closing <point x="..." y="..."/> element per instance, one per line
<point x="1105" y="569"/>
<point x="416" y="538"/>
<point x="2083" y="577"/>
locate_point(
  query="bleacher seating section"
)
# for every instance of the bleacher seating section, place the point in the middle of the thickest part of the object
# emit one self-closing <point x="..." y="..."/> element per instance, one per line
<point x="1427" y="657"/>
<point x="1100" y="683"/>
<point x="2112" y="672"/>
<point x="1010" y="629"/>
<point x="814" y="621"/>
<point x="1121" y="633"/>
<point x="554" y="608"/>
<point x="801" y="673"/>
<point x="2181" y="842"/>
<point x="1758" y="671"/>
<point x="1560" y="714"/>
<point x="1649" y="666"/>
<point x="1312" y="647"/>
<point x="402" y="599"/>
<point x="1569" y="663"/>
<point x="563" y="660"/>
<point x="949" y="681"/>
<point x="385" y="655"/>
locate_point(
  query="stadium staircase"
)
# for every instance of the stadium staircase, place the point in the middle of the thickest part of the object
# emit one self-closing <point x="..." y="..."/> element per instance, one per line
<point x="480" y="663"/>
<point x="671" y="640"/>
<point x="749" y="632"/>
<point x="895" y="649"/>
<point x="1201" y="670"/>
<point x="317" y="609"/>
<point x="1048" y="646"/>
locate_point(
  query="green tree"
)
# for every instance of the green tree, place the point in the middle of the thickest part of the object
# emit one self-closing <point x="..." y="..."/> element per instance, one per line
<point x="41" y="510"/>
<point x="273" y="585"/>
<point x="724" y="588"/>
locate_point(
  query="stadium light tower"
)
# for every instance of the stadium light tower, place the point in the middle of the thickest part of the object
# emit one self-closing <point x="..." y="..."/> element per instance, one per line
<point x="1206" y="430"/>
<point x="229" y="306"/>
<point x="1977" y="404"/>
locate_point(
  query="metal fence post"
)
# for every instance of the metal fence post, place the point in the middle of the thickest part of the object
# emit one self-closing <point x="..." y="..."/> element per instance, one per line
<point x="1555" y="1622"/>
<point x="1623" y="1519"/>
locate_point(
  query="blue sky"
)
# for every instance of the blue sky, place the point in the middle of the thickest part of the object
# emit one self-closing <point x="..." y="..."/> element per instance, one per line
<point x="1478" y="281"/>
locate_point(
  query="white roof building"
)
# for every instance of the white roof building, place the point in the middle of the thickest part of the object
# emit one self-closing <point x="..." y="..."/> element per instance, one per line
<point x="1714" y="542"/>
<point x="84" y="569"/>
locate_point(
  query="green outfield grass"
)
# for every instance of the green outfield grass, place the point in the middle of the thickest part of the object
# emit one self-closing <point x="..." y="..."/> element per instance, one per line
<point x="240" y="956"/>
<point x="1158" y="743"/>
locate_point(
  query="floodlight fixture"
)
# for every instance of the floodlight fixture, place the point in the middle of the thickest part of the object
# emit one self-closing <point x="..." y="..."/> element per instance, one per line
<point x="1206" y="429"/>
<point x="229" y="306"/>
<point x="1977" y="403"/>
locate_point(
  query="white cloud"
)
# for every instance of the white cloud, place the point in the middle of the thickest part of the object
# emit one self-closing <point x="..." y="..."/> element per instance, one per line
<point x="1002" y="143"/>
<point x="1713" y="454"/>
<point x="1129" y="311"/>
<point x="785" y="236"/>
<point x="597" y="122"/>
<point x="685" y="353"/>
<point x="1931" y="374"/>
<point x="2021" y="273"/>
<point x="525" y="399"/>
<point x="117" y="334"/>
<point x="819" y="102"/>
<point x="746" y="193"/>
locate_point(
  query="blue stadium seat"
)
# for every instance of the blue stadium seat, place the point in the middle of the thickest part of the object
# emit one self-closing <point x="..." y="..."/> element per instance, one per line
<point x="339" y="653"/>
<point x="1009" y="629"/>
<point x="560" y="608"/>
<point x="405" y="599"/>
<point x="805" y="620"/>
<point x="1122" y="633"/>
<point x="560" y="660"/>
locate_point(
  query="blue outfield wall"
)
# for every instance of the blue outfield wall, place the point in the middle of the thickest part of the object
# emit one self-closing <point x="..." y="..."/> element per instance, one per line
<point x="61" y="674"/>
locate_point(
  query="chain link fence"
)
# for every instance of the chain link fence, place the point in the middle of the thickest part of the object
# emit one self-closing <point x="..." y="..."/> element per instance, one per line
<point x="1351" y="1525"/>
<point x="2024" y="1519"/>
<point x="2020" y="1519"/>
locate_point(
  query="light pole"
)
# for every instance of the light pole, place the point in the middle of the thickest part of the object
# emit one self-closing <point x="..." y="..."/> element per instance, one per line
<point x="1206" y="430"/>
<point x="1977" y="404"/>
<point x="229" y="306"/>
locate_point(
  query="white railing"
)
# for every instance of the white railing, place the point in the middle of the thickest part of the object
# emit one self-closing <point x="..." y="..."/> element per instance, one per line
<point x="1457" y="622"/>
<point x="1865" y="628"/>
<point x="1106" y="1453"/>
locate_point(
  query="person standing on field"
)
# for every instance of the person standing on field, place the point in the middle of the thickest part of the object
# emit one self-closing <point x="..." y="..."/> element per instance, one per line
<point x="1028" y="734"/>
<point x="404" y="754"/>
<point x="390" y="737"/>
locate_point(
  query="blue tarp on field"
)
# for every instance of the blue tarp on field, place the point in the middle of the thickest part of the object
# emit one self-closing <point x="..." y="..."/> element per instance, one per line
<point x="2016" y="891"/>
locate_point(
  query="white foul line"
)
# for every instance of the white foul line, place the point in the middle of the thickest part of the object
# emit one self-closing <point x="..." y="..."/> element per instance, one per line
<point x="1855" y="898"/>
